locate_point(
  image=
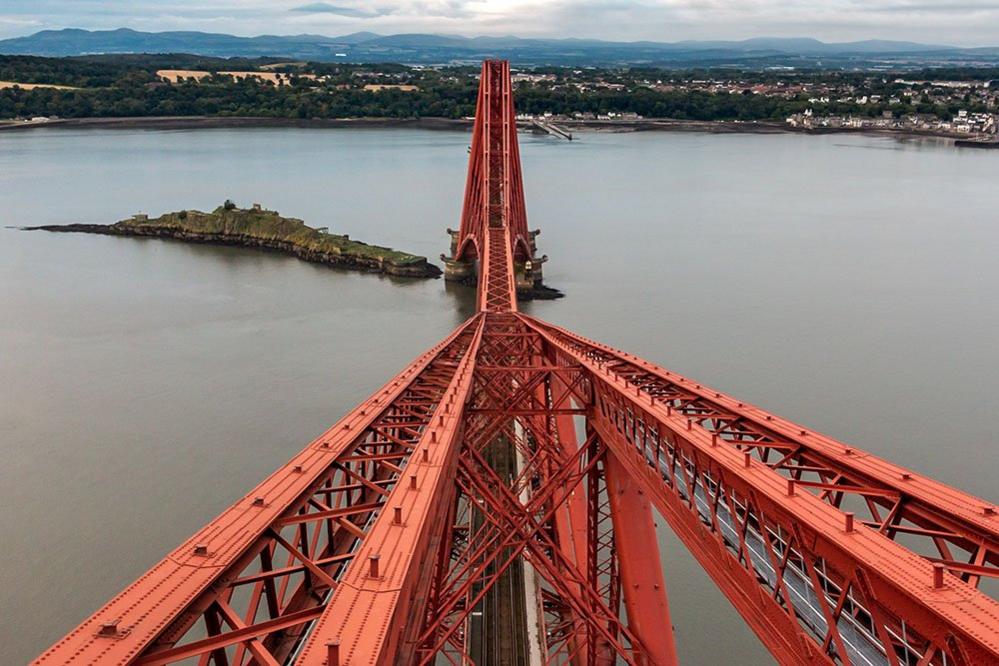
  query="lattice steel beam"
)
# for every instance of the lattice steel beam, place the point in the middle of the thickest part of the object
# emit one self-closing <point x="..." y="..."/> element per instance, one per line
<point x="833" y="589"/>
<point x="258" y="576"/>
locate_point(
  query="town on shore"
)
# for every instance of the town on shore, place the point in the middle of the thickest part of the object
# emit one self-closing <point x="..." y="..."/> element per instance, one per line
<point x="956" y="102"/>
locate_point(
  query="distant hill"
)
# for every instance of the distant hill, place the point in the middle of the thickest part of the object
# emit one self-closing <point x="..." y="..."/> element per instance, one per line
<point x="425" y="48"/>
<point x="72" y="42"/>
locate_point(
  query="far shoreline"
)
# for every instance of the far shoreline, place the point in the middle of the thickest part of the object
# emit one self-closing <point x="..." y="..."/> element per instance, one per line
<point x="206" y="122"/>
<point x="465" y="124"/>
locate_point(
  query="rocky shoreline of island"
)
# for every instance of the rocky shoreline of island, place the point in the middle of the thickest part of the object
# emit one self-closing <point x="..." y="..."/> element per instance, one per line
<point x="262" y="229"/>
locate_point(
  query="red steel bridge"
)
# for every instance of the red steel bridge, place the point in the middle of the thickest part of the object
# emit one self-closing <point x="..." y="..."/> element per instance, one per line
<point x="493" y="504"/>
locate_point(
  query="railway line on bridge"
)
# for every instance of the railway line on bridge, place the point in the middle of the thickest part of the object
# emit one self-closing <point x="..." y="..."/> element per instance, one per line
<point x="493" y="503"/>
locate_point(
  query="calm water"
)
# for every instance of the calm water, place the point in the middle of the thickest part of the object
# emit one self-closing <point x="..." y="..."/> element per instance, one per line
<point x="849" y="283"/>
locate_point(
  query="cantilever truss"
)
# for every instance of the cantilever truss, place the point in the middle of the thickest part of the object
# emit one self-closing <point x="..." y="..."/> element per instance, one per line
<point x="493" y="503"/>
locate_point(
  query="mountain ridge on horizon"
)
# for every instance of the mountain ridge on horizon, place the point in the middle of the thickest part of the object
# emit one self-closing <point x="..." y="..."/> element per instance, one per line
<point x="425" y="48"/>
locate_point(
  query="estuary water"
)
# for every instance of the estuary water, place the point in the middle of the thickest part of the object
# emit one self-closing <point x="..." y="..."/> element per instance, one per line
<point x="846" y="282"/>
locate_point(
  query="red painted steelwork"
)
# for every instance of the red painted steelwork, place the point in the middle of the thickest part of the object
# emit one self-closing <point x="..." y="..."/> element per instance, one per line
<point x="937" y="521"/>
<point x="641" y="570"/>
<point x="494" y="189"/>
<point x="386" y="537"/>
<point x="507" y="407"/>
<point x="288" y="542"/>
<point x="736" y="515"/>
<point x="374" y="618"/>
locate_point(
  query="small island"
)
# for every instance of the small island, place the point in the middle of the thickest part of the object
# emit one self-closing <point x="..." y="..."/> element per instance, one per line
<point x="258" y="227"/>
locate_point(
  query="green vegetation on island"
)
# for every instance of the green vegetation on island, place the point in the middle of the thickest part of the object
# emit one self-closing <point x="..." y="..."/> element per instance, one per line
<point x="266" y="229"/>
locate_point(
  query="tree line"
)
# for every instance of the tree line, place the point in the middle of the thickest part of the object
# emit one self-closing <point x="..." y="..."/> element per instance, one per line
<point x="127" y="86"/>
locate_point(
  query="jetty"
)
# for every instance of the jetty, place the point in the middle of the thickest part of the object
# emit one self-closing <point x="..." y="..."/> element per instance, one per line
<point x="551" y="128"/>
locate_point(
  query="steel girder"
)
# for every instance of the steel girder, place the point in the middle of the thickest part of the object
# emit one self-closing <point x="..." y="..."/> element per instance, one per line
<point x="497" y="289"/>
<point x="515" y="395"/>
<point x="377" y="610"/>
<point x="639" y="565"/>
<point x="943" y="524"/>
<point x="815" y="584"/>
<point x="815" y="588"/>
<point x="494" y="190"/>
<point x="249" y="585"/>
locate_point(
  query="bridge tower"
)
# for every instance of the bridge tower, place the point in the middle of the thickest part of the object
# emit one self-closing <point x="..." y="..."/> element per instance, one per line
<point x="494" y="187"/>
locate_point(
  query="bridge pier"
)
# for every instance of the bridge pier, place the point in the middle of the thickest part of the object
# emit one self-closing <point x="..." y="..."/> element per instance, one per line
<point x="459" y="270"/>
<point x="529" y="276"/>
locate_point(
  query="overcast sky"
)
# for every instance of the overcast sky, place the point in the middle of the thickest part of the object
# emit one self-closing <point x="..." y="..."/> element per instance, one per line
<point x="958" y="22"/>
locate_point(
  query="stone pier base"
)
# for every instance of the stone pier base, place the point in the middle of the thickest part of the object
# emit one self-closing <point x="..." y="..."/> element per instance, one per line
<point x="458" y="271"/>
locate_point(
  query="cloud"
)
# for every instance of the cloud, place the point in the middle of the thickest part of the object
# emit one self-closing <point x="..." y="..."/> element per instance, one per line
<point x="327" y="8"/>
<point x="960" y="22"/>
<point x="965" y="9"/>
